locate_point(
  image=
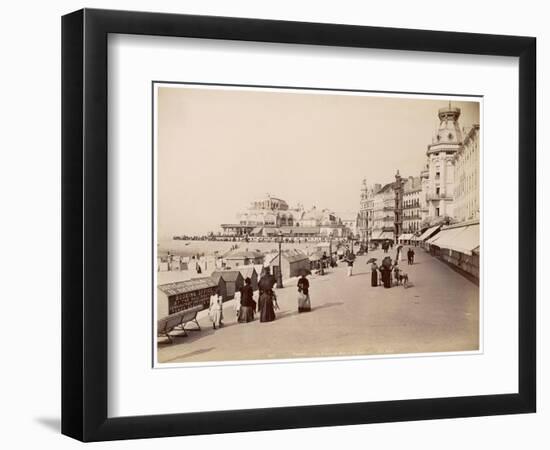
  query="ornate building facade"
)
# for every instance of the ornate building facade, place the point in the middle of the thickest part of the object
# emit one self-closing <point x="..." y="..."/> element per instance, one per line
<point x="398" y="188"/>
<point x="272" y="216"/>
<point x="366" y="210"/>
<point x="424" y="186"/>
<point x="446" y="190"/>
<point x="383" y="226"/>
<point x="446" y="142"/>
<point x="412" y="205"/>
<point x="467" y="170"/>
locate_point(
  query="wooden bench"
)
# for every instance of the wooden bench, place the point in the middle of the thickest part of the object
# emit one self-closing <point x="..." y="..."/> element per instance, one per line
<point x="178" y="320"/>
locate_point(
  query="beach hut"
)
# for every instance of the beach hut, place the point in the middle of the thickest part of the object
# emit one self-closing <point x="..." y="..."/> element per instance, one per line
<point x="184" y="262"/>
<point x="183" y="295"/>
<point x="250" y="271"/>
<point x="316" y="259"/>
<point x="233" y="281"/>
<point x="292" y="261"/>
<point x="175" y="263"/>
<point x="243" y="258"/>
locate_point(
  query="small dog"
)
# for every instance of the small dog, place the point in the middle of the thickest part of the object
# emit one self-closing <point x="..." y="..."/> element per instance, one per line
<point x="403" y="279"/>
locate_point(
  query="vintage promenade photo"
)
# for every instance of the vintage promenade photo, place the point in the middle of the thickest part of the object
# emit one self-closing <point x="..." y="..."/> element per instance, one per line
<point x="296" y="224"/>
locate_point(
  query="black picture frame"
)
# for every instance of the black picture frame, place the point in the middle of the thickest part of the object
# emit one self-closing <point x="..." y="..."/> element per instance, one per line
<point x="84" y="224"/>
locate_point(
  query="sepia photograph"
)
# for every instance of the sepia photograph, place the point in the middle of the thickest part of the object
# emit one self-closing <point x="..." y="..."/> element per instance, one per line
<point x="298" y="224"/>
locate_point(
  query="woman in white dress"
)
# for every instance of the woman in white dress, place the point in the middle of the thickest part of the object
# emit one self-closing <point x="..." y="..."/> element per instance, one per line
<point x="215" y="311"/>
<point x="237" y="302"/>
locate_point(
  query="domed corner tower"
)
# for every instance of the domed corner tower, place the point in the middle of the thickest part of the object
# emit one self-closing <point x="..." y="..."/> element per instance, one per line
<point x="446" y="142"/>
<point x="448" y="132"/>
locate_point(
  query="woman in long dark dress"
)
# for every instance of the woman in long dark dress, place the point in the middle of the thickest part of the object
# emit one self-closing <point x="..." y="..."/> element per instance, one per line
<point x="248" y="305"/>
<point x="265" y="304"/>
<point x="304" y="303"/>
<point x="266" y="300"/>
<point x="386" y="277"/>
<point x="386" y="269"/>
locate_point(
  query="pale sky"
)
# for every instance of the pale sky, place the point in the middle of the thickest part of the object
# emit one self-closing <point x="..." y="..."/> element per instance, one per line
<point x="220" y="149"/>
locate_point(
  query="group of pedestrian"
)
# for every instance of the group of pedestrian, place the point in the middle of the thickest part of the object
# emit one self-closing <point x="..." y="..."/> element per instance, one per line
<point x="410" y="256"/>
<point x="246" y="307"/>
<point x="387" y="245"/>
<point x="382" y="275"/>
<point x="385" y="270"/>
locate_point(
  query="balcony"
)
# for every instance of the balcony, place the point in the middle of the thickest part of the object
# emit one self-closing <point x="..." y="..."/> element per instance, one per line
<point x="440" y="196"/>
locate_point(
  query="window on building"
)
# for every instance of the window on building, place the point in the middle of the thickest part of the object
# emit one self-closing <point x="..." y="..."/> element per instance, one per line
<point x="437" y="190"/>
<point x="436" y="212"/>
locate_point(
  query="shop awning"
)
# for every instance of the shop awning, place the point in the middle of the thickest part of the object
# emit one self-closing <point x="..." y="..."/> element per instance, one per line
<point x="405" y="237"/>
<point x="383" y="235"/>
<point x="428" y="233"/>
<point x="464" y="240"/>
<point x="443" y="237"/>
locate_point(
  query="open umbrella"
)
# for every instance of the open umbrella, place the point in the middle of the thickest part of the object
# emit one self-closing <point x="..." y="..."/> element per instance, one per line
<point x="371" y="260"/>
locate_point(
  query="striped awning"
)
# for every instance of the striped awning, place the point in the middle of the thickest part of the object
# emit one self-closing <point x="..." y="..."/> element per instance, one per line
<point x="464" y="239"/>
<point x="428" y="233"/>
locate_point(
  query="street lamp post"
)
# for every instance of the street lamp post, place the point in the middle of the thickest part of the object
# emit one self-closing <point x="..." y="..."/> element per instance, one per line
<point x="280" y="269"/>
<point x="367" y="235"/>
<point x="330" y="248"/>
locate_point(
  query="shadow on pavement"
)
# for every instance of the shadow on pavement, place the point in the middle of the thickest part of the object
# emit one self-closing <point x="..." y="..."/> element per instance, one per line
<point x="187" y="355"/>
<point x="193" y="335"/>
<point x="327" y="305"/>
<point x="358" y="274"/>
<point x="284" y="314"/>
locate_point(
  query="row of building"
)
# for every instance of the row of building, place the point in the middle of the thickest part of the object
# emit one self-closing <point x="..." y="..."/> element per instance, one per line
<point x="439" y="208"/>
<point x="446" y="191"/>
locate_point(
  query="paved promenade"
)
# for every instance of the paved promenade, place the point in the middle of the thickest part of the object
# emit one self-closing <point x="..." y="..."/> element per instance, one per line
<point x="439" y="313"/>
